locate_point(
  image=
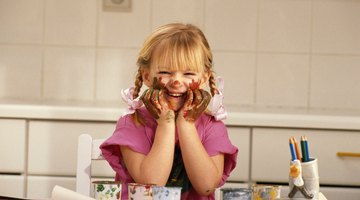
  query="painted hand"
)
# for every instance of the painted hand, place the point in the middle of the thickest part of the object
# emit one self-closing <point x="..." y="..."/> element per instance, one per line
<point x="196" y="102"/>
<point x="155" y="102"/>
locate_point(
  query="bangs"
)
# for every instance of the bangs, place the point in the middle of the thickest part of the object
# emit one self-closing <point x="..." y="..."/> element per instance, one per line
<point x="179" y="55"/>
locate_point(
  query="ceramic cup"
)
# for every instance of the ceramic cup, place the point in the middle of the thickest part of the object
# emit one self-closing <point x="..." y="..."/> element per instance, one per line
<point x="166" y="193"/>
<point x="140" y="191"/>
<point x="107" y="190"/>
<point x="310" y="175"/>
<point x="266" y="192"/>
<point x="235" y="193"/>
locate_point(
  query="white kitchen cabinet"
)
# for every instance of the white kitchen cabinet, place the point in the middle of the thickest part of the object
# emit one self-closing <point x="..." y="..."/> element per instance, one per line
<point x="332" y="193"/>
<point x="53" y="146"/>
<point x="271" y="145"/>
<point x="12" y="185"/>
<point x="341" y="193"/>
<point x="240" y="137"/>
<point x="12" y="143"/>
<point x="40" y="187"/>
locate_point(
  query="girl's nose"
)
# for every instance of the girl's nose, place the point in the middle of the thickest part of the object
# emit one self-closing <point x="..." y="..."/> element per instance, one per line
<point x="176" y="82"/>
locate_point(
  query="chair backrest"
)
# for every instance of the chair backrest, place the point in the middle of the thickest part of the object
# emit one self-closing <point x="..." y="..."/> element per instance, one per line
<point x="88" y="150"/>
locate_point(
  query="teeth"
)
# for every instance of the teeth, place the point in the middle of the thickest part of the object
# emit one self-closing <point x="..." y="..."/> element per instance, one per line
<point x="175" y="94"/>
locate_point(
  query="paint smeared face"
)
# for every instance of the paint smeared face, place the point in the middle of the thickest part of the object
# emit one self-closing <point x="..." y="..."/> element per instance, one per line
<point x="176" y="84"/>
<point x="177" y="69"/>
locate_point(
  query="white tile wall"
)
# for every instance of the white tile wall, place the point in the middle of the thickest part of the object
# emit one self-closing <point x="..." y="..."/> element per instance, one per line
<point x="116" y="70"/>
<point x="74" y="50"/>
<point x="188" y="11"/>
<point x="125" y="29"/>
<point x="225" y="64"/>
<point x="284" y="25"/>
<point x="335" y="82"/>
<point x="20" y="71"/>
<point x="21" y="22"/>
<point x="336" y="27"/>
<point x="282" y="80"/>
<point x="231" y="25"/>
<point x="71" y="22"/>
<point x="69" y="73"/>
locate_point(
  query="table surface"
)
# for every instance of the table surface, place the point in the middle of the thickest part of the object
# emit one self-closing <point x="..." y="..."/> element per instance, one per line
<point x="321" y="197"/>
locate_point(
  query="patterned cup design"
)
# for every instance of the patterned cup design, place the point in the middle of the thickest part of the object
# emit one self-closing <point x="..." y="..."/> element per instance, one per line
<point x="166" y="193"/>
<point x="107" y="190"/>
<point x="140" y="191"/>
<point x="236" y="193"/>
<point x="266" y="192"/>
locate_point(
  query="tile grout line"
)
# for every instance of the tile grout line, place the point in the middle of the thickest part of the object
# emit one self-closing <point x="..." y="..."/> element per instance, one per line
<point x="256" y="52"/>
<point x="98" y="10"/>
<point x="310" y="54"/>
<point x="42" y="77"/>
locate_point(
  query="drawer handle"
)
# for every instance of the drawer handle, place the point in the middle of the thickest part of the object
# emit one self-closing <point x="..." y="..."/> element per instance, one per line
<point x="347" y="154"/>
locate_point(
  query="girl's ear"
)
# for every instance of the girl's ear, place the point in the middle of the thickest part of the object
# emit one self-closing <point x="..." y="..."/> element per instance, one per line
<point x="145" y="73"/>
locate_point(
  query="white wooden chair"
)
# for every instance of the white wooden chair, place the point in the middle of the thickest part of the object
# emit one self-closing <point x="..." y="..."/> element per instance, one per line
<point x="88" y="150"/>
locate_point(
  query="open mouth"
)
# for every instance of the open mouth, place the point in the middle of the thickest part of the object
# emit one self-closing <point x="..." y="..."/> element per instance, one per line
<point x="176" y="94"/>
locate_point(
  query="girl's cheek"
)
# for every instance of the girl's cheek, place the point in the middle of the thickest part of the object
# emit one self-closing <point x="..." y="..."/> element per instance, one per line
<point x="192" y="84"/>
<point x="163" y="79"/>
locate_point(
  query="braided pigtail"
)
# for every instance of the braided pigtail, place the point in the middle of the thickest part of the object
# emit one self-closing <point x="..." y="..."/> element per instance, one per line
<point x="212" y="84"/>
<point x="138" y="84"/>
<point x="138" y="119"/>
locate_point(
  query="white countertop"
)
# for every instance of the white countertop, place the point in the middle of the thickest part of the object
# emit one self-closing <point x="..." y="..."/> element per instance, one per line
<point x="237" y="116"/>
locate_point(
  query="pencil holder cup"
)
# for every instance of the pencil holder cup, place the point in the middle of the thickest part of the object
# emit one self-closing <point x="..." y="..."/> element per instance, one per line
<point x="310" y="177"/>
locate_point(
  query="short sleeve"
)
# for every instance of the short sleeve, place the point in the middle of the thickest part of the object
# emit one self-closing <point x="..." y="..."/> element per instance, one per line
<point x="216" y="141"/>
<point x="126" y="134"/>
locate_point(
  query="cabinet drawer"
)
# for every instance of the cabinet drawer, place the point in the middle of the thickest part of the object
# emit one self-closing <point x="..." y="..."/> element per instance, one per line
<point x="332" y="192"/>
<point x="53" y="147"/>
<point x="240" y="137"/>
<point x="271" y="155"/>
<point x="12" y="143"/>
<point x="40" y="187"/>
<point x="12" y="185"/>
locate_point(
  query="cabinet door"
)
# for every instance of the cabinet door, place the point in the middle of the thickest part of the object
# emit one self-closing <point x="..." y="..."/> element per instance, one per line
<point x="271" y="155"/>
<point x="53" y="147"/>
<point x="12" y="143"/>
<point x="332" y="192"/>
<point x="12" y="185"/>
<point x="240" y="137"/>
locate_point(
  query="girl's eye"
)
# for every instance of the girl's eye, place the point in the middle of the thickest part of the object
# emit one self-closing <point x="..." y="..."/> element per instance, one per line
<point x="163" y="72"/>
<point x="190" y="74"/>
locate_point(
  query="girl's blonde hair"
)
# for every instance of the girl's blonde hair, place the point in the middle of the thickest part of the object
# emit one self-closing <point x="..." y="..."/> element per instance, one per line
<point x="183" y="46"/>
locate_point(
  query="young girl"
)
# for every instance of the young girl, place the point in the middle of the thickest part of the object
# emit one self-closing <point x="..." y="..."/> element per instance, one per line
<point x="172" y="141"/>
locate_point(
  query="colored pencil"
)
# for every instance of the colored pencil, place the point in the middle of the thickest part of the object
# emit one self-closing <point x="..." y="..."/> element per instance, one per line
<point x="303" y="151"/>
<point x="292" y="149"/>
<point x="298" y="154"/>
<point x="307" y="149"/>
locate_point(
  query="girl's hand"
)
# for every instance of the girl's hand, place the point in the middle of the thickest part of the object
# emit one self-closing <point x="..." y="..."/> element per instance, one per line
<point x="156" y="103"/>
<point x="196" y="102"/>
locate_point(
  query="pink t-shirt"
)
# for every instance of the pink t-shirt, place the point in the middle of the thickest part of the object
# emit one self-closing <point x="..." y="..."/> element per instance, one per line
<point x="212" y="133"/>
